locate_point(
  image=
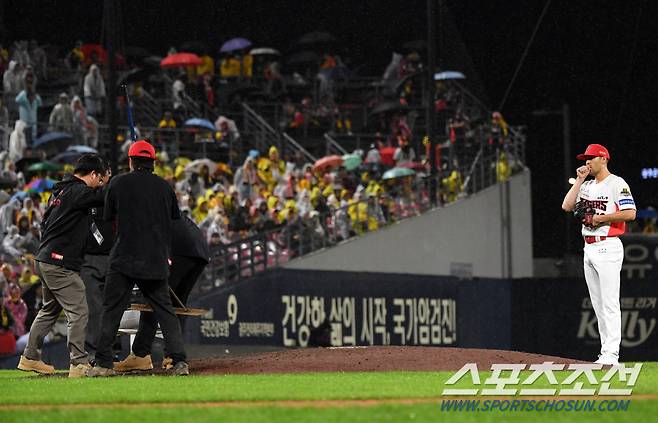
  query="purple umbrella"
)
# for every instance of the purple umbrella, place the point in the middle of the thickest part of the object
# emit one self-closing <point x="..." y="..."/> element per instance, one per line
<point x="235" y="44"/>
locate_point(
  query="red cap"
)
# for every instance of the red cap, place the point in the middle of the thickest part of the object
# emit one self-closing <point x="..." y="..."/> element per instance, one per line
<point x="594" y="150"/>
<point x="141" y="148"/>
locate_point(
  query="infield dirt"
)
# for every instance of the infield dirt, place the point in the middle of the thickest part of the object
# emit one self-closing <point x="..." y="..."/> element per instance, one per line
<point x="366" y="359"/>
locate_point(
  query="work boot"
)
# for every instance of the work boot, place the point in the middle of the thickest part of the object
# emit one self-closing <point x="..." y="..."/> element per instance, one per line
<point x="79" y="370"/>
<point x="181" y="369"/>
<point x="38" y="366"/>
<point x="99" y="371"/>
<point x="134" y="362"/>
<point x="167" y="363"/>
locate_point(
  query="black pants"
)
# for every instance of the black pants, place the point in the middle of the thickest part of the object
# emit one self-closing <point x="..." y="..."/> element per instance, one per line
<point x="118" y="288"/>
<point x="184" y="273"/>
<point x="93" y="273"/>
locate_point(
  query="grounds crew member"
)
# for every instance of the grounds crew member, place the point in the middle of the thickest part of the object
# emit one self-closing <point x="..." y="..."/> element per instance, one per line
<point x="64" y="233"/>
<point x="142" y="207"/>
<point x="190" y="255"/>
<point x="93" y="272"/>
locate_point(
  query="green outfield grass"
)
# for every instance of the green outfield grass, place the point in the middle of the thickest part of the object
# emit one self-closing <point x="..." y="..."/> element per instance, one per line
<point x="179" y="399"/>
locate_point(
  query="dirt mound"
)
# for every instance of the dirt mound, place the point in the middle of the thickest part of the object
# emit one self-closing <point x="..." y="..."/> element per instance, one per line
<point x="366" y="359"/>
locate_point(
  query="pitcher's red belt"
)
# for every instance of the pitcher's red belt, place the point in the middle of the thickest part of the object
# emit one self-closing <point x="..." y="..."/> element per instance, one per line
<point x="593" y="239"/>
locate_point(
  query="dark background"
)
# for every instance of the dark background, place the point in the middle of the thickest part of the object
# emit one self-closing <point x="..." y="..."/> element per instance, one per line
<point x="597" y="56"/>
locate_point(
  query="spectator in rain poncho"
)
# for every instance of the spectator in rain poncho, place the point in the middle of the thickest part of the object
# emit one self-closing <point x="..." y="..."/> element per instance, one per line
<point x="341" y="218"/>
<point x="373" y="158"/>
<point x="28" y="102"/>
<point x="17" y="141"/>
<point x="14" y="243"/>
<point x="15" y="304"/>
<point x="20" y="53"/>
<point x="5" y="129"/>
<point x="228" y="128"/>
<point x="85" y="127"/>
<point x="245" y="178"/>
<point x="192" y="185"/>
<point x="33" y="213"/>
<point x="304" y="203"/>
<point x="94" y="91"/>
<point x="61" y="118"/>
<point x="178" y="91"/>
<point x="392" y="72"/>
<point x="11" y="80"/>
<point x="8" y="213"/>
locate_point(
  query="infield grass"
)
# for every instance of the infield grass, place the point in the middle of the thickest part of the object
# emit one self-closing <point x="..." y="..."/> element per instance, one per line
<point x="272" y="398"/>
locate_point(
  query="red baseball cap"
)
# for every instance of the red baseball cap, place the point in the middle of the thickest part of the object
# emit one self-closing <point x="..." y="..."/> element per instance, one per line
<point x="594" y="150"/>
<point x="141" y="148"/>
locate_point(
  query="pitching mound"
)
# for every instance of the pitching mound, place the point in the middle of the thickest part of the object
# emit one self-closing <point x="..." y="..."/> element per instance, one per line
<point x="366" y="359"/>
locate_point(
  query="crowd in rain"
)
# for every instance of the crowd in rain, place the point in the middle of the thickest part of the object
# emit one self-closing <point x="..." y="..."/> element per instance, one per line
<point x="52" y="111"/>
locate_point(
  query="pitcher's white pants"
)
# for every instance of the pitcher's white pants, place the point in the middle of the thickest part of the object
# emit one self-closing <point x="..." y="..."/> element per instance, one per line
<point x="602" y="263"/>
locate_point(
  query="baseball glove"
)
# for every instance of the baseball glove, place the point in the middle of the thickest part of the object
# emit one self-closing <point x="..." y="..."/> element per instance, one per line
<point x="584" y="213"/>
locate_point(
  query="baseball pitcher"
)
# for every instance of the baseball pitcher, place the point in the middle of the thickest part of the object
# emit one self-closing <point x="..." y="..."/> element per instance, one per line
<point x="603" y="205"/>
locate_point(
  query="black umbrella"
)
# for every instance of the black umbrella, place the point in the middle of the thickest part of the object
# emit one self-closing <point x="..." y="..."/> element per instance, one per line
<point x="303" y="57"/>
<point x="389" y="106"/>
<point x="153" y="61"/>
<point x="136" y="75"/>
<point x="53" y="142"/>
<point x="6" y="183"/>
<point x="316" y="37"/>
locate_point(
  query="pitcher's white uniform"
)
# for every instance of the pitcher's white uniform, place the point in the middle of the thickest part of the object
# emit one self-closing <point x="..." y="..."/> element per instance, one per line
<point x="603" y="256"/>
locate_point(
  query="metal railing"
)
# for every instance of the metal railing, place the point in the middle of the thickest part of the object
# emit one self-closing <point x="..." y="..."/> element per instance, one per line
<point x="246" y="257"/>
<point x="333" y="147"/>
<point x="266" y="135"/>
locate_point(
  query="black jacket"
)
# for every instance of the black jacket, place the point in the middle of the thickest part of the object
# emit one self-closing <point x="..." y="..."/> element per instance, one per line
<point x="66" y="223"/>
<point x="142" y="206"/>
<point x="106" y="230"/>
<point x="187" y="240"/>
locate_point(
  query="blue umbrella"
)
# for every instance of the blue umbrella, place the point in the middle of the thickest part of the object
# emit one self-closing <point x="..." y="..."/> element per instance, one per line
<point x="52" y="138"/>
<point x="441" y="76"/>
<point x="397" y="172"/>
<point x="67" y="157"/>
<point x="235" y="44"/>
<point x="200" y="123"/>
<point x="82" y="149"/>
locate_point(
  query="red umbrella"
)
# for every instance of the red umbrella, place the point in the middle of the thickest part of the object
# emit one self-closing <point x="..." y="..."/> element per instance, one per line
<point x="180" y="60"/>
<point x="328" y="162"/>
<point x="90" y="50"/>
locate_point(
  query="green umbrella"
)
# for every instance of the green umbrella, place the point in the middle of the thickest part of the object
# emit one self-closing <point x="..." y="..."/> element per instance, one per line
<point x="351" y="161"/>
<point x="47" y="166"/>
<point x="398" y="172"/>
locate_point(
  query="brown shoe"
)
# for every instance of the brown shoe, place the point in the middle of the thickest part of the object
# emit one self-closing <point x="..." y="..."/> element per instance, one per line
<point x="38" y="366"/>
<point x="167" y="363"/>
<point x="98" y="371"/>
<point x="79" y="370"/>
<point x="134" y="362"/>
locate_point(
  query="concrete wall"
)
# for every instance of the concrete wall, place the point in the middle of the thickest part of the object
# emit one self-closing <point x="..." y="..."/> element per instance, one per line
<point x="467" y="237"/>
